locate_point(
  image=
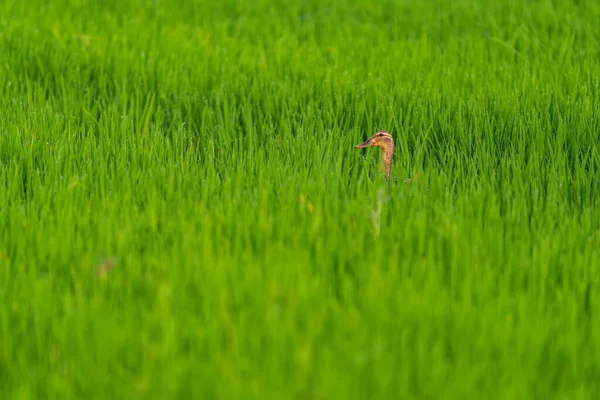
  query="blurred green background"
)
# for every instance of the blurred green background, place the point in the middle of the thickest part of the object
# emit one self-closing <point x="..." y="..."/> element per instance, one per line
<point x="183" y="214"/>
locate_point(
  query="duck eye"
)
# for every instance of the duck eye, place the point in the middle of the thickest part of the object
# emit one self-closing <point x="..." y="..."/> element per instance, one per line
<point x="380" y="135"/>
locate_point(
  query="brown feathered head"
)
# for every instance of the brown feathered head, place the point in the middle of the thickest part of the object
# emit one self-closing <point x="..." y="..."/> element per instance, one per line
<point x="385" y="141"/>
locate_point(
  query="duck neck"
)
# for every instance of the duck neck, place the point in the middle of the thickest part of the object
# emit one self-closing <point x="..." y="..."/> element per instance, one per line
<point x="388" y="153"/>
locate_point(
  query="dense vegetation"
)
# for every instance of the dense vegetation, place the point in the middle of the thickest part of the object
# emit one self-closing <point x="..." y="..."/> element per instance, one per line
<point x="183" y="214"/>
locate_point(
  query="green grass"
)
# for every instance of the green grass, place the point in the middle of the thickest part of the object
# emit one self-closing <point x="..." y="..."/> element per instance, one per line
<point x="183" y="214"/>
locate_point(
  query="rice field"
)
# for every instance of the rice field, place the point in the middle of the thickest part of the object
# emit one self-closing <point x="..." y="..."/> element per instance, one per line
<point x="183" y="213"/>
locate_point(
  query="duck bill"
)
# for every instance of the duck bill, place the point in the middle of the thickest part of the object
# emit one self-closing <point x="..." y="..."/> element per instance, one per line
<point x="364" y="144"/>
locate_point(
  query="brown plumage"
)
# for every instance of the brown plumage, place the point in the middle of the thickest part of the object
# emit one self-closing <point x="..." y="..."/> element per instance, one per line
<point x="385" y="141"/>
